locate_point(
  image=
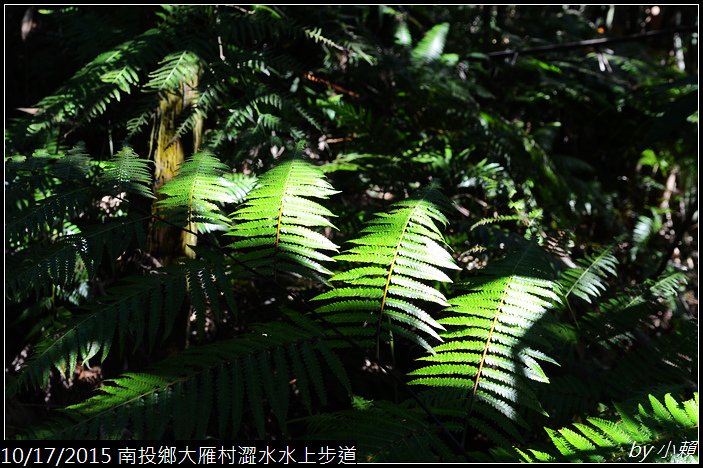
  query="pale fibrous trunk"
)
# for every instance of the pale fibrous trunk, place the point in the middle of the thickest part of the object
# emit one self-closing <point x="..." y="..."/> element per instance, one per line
<point x="168" y="243"/>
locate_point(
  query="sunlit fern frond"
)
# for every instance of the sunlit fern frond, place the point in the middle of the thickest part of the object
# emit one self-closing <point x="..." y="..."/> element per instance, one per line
<point x="587" y="281"/>
<point x="395" y="257"/>
<point x="671" y="427"/>
<point x="275" y="226"/>
<point x="193" y="195"/>
<point x="175" y="69"/>
<point x="492" y="348"/>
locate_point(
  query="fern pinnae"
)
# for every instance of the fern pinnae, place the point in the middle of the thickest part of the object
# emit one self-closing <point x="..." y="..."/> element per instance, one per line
<point x="192" y="196"/>
<point x="587" y="280"/>
<point x="490" y="355"/>
<point x="275" y="223"/>
<point x="189" y="379"/>
<point x="604" y="440"/>
<point x="396" y="250"/>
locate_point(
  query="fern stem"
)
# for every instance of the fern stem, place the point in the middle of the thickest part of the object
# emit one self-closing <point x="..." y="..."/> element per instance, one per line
<point x="388" y="282"/>
<point x="480" y="369"/>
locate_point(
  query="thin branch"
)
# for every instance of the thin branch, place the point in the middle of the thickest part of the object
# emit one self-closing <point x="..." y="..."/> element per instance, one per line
<point x="686" y="223"/>
<point x="589" y="43"/>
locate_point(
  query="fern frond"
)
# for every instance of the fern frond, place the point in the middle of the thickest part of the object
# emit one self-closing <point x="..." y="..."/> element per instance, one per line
<point x="99" y="83"/>
<point x="240" y="185"/>
<point x="175" y="70"/>
<point x="192" y="196"/>
<point x="127" y="172"/>
<point x="60" y="190"/>
<point x="492" y="350"/>
<point x="204" y="99"/>
<point x="41" y="266"/>
<point x="431" y="45"/>
<point x="207" y="279"/>
<point x="143" y="308"/>
<point x="668" y="426"/>
<point x="587" y="281"/>
<point x="274" y="228"/>
<point x="317" y="36"/>
<point x="622" y="314"/>
<point x="495" y="219"/>
<point x="50" y="211"/>
<point x="177" y="396"/>
<point x="397" y="253"/>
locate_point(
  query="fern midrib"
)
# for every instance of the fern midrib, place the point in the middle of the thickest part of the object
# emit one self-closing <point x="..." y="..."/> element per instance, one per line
<point x="495" y="320"/>
<point x="585" y="271"/>
<point x="286" y="187"/>
<point x="390" y="270"/>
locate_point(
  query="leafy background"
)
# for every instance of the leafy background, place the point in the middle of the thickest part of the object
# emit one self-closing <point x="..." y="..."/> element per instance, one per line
<point x="368" y="223"/>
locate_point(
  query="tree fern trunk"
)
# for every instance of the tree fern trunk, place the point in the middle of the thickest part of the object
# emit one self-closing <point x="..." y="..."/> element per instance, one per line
<point x="165" y="242"/>
<point x="168" y="243"/>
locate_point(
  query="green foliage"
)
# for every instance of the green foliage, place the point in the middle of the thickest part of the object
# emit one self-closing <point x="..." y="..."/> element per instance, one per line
<point x="668" y="425"/>
<point x="492" y="350"/>
<point x="432" y="45"/>
<point x="275" y="222"/>
<point x="192" y="196"/>
<point x="220" y="382"/>
<point x="587" y="280"/>
<point x="139" y="308"/>
<point x="127" y="172"/>
<point x="518" y="228"/>
<point x="395" y="252"/>
<point x="384" y="432"/>
<point x="175" y="69"/>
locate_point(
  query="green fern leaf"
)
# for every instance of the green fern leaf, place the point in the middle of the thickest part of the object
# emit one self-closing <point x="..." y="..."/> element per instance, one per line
<point x="275" y="222"/>
<point x="139" y="304"/>
<point x="127" y="172"/>
<point x="193" y="195"/>
<point x="176" y="69"/>
<point x="397" y="249"/>
<point x="432" y="44"/>
<point x="602" y="440"/>
<point x="491" y="354"/>
<point x="587" y="280"/>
